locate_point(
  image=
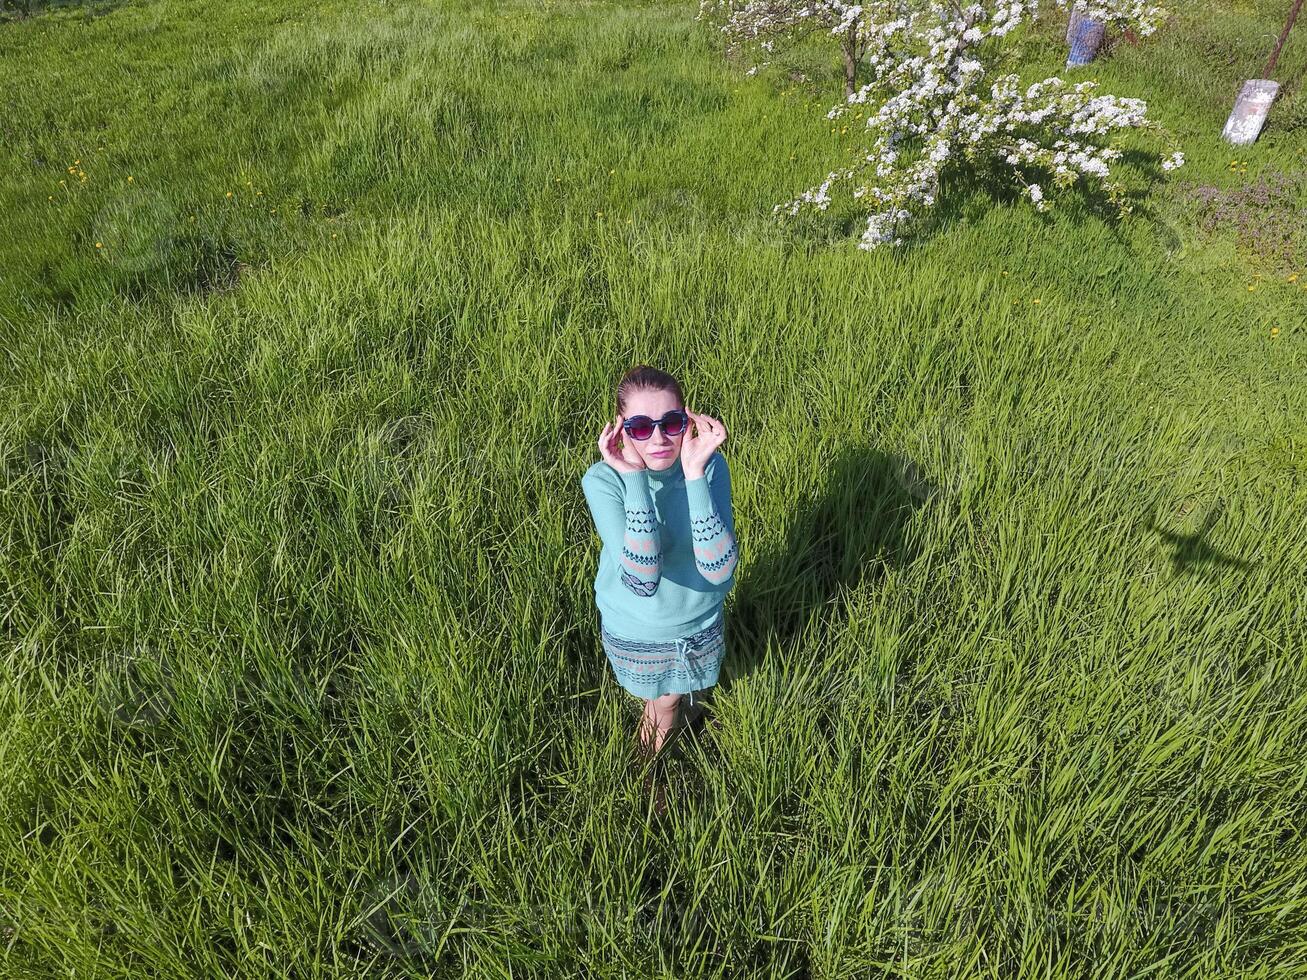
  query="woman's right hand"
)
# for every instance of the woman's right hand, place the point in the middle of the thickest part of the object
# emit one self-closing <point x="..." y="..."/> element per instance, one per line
<point x="617" y="452"/>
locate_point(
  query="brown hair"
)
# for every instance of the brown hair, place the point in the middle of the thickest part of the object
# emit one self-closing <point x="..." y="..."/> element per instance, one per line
<point x="642" y="377"/>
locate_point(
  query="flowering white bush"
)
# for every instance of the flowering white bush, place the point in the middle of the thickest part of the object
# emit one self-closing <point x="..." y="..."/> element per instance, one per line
<point x="765" y="25"/>
<point x="1140" y="16"/>
<point x="932" y="107"/>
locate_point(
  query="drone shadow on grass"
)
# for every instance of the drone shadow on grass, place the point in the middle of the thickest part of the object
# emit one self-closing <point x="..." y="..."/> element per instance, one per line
<point x="1192" y="554"/>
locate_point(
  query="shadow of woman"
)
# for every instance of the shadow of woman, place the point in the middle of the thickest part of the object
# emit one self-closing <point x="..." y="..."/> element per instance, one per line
<point x="836" y="541"/>
<point x="844" y="537"/>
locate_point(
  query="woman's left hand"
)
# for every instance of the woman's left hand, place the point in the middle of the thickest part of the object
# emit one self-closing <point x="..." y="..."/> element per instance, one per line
<point x="698" y="446"/>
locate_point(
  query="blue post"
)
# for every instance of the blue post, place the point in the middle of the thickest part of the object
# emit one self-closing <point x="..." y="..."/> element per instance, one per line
<point x="1085" y="35"/>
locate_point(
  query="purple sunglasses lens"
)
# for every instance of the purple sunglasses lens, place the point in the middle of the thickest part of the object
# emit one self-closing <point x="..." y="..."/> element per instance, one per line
<point x="641" y="427"/>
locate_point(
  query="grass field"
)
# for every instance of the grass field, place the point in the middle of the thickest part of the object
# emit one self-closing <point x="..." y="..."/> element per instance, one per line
<point x="301" y="669"/>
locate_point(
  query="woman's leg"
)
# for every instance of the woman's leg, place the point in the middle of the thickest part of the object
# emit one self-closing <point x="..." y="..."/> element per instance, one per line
<point x="658" y="720"/>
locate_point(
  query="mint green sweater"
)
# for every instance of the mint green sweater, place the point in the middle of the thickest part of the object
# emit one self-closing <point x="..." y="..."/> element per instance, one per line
<point x="669" y="552"/>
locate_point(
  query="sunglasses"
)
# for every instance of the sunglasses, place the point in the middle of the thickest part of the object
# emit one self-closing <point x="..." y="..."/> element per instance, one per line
<point x="641" y="427"/>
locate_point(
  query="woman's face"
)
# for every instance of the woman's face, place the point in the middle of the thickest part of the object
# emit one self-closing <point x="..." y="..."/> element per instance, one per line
<point x="660" y="450"/>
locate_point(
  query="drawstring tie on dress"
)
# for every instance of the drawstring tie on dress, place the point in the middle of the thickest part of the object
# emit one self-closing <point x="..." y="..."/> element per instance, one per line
<point x="683" y="648"/>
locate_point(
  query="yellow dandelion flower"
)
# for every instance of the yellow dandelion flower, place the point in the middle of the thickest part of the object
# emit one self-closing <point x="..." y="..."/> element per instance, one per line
<point x="611" y="172"/>
<point x="1252" y="289"/>
<point x="229" y="193"/>
<point x="130" y="179"/>
<point x="333" y="234"/>
<point x="99" y="244"/>
<point x="50" y="198"/>
<point x="1275" y="331"/>
<point x="1036" y="301"/>
<point x="1293" y="277"/>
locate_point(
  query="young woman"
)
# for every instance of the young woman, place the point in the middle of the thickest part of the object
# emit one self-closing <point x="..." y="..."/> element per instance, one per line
<point x="661" y="502"/>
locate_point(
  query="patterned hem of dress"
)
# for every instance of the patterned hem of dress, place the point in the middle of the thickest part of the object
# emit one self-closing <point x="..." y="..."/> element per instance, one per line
<point x="651" y="669"/>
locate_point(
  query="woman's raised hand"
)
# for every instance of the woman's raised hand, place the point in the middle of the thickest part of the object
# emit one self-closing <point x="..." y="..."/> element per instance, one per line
<point x="616" y="451"/>
<point x="698" y="445"/>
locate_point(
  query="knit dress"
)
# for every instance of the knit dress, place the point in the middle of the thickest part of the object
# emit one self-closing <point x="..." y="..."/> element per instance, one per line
<point x="667" y="562"/>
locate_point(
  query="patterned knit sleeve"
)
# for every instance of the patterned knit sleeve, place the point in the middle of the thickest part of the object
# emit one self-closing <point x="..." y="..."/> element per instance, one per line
<point x="628" y="526"/>
<point x="712" y="523"/>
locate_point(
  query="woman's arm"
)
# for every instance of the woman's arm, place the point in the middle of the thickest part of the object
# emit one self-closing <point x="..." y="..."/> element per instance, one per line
<point x="712" y="524"/>
<point x="628" y="527"/>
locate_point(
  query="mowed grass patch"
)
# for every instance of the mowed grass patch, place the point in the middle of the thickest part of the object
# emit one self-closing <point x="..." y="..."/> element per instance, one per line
<point x="302" y="670"/>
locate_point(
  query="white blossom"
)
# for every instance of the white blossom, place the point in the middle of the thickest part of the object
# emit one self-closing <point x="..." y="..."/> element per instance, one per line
<point x="937" y="106"/>
<point x="862" y="30"/>
<point x="1135" y="14"/>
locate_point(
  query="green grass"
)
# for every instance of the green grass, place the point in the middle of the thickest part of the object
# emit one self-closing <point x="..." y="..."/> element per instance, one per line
<point x="301" y="670"/>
